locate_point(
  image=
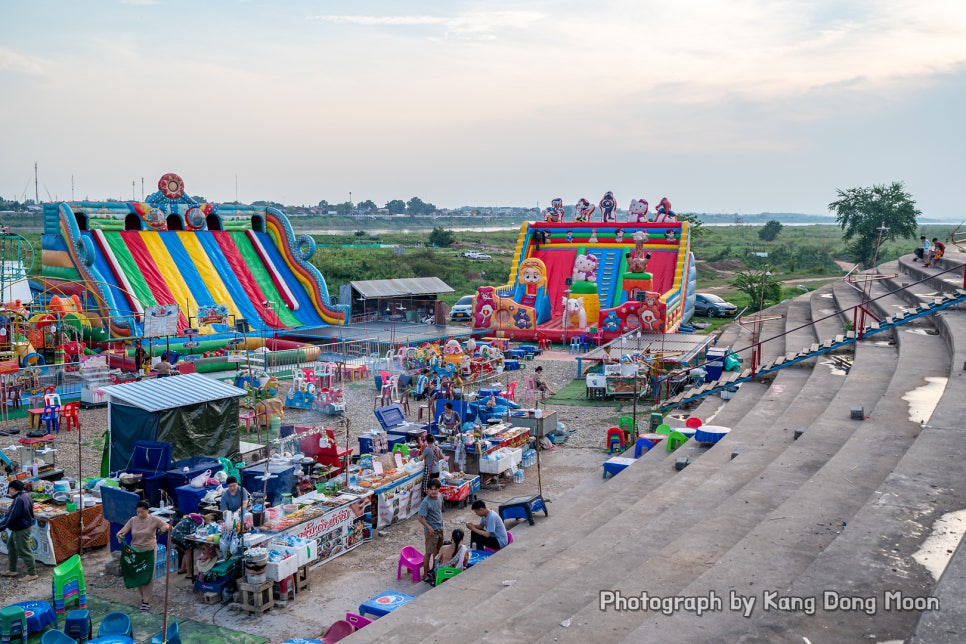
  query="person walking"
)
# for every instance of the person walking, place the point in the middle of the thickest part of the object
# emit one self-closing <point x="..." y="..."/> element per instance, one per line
<point x="19" y="520"/>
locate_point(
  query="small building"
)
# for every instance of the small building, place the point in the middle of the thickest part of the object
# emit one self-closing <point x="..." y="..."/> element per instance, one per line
<point x="409" y="299"/>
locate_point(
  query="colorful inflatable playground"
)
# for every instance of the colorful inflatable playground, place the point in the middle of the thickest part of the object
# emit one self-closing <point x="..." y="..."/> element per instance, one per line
<point x="594" y="277"/>
<point x="227" y="267"/>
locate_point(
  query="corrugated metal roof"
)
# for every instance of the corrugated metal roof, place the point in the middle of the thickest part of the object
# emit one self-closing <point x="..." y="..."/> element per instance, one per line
<point x="371" y="289"/>
<point x="157" y="394"/>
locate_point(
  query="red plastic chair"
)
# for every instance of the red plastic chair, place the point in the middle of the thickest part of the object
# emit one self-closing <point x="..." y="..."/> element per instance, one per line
<point x="615" y="438"/>
<point x="511" y="392"/>
<point x="358" y="621"/>
<point x="340" y="629"/>
<point x="412" y="560"/>
<point x="69" y="415"/>
<point x="693" y="422"/>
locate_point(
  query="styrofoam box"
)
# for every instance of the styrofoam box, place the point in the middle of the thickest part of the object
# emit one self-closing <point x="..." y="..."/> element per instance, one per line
<point x="495" y="466"/>
<point x="306" y="553"/>
<point x="279" y="570"/>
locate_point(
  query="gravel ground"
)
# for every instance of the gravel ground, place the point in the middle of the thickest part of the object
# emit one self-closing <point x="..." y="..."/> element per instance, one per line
<point x="337" y="586"/>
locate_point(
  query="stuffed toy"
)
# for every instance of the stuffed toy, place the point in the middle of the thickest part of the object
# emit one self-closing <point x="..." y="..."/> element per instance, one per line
<point x="664" y="212"/>
<point x="555" y="212"/>
<point x="637" y="211"/>
<point x="575" y="312"/>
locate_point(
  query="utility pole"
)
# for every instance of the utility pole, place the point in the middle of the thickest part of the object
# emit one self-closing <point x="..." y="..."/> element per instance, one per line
<point x="36" y="187"/>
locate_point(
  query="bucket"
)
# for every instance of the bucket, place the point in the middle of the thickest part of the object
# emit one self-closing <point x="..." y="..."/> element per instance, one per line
<point x="286" y="499"/>
<point x="71" y="507"/>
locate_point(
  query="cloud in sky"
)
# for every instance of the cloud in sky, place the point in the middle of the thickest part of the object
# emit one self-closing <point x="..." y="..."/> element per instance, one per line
<point x="496" y="102"/>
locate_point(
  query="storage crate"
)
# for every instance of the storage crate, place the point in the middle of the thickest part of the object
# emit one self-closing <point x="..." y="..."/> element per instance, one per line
<point x="189" y="497"/>
<point x="306" y="551"/>
<point x="279" y="570"/>
<point x="218" y="585"/>
<point x="496" y="466"/>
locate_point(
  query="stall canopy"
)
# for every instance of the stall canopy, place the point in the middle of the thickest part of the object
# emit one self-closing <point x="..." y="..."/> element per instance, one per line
<point x="196" y="414"/>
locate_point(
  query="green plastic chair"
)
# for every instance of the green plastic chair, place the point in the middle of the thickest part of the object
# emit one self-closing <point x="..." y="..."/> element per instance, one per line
<point x="68" y="585"/>
<point x="13" y="624"/>
<point x="627" y="424"/>
<point x="675" y="440"/>
<point x="442" y="574"/>
<point x="400" y="448"/>
<point x="663" y="428"/>
<point x="656" y="419"/>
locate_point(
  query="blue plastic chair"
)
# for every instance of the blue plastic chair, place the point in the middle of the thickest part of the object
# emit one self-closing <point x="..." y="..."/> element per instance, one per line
<point x="51" y="416"/>
<point x="115" y="624"/>
<point x="642" y="445"/>
<point x="57" y="637"/>
<point x="174" y="635"/>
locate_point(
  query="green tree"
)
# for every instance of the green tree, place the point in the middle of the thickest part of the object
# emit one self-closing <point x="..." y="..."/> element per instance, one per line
<point x="695" y="224"/>
<point x="417" y="206"/>
<point x="344" y="208"/>
<point x="769" y="231"/>
<point x="324" y="204"/>
<point x="441" y="237"/>
<point x="759" y="285"/>
<point x="368" y="204"/>
<point x="862" y="212"/>
<point x="396" y="207"/>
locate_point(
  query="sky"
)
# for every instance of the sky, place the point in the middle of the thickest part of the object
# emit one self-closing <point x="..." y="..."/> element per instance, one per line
<point x="720" y="105"/>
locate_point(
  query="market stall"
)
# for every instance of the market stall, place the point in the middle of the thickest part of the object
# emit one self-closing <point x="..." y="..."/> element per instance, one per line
<point x="485" y="441"/>
<point x="54" y="537"/>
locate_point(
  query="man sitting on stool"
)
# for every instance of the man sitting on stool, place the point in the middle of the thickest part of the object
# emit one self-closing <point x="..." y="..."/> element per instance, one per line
<point x="490" y="531"/>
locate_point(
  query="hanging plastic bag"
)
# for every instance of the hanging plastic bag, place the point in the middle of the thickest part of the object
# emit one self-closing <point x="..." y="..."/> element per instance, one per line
<point x="201" y="480"/>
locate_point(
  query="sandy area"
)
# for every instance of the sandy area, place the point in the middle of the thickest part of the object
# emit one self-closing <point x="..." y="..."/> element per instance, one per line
<point x="341" y="585"/>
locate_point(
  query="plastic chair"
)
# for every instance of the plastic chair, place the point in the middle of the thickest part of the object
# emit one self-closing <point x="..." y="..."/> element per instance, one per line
<point x="69" y="415"/>
<point x="12" y="396"/>
<point x="358" y="621"/>
<point x="51" y="398"/>
<point x="615" y="435"/>
<point x="57" y="637"/>
<point x="68" y="583"/>
<point x="403" y="401"/>
<point x="442" y="574"/>
<point x="576" y="344"/>
<point x="115" y="624"/>
<point x="598" y="337"/>
<point x="340" y="629"/>
<point x="629" y="427"/>
<point x="511" y="392"/>
<point x="173" y="635"/>
<point x="675" y="440"/>
<point x="663" y="428"/>
<point x="51" y="416"/>
<point x="325" y="375"/>
<point x="13" y="625"/>
<point x="530" y="390"/>
<point x="78" y="625"/>
<point x="412" y="560"/>
<point x="693" y="422"/>
<point x="509" y="540"/>
<point x="642" y="445"/>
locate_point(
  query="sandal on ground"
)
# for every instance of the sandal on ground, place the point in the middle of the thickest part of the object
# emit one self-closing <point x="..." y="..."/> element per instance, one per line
<point x="145" y="607"/>
<point x="10" y="573"/>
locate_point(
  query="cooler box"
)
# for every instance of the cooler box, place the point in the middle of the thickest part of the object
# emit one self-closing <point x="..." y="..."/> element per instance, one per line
<point x="365" y="442"/>
<point x="393" y="420"/>
<point x="196" y="465"/>
<point x="283" y="483"/>
<point x="715" y="364"/>
<point x="188" y="497"/>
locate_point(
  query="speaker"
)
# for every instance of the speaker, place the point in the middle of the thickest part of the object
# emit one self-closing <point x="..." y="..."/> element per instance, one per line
<point x="241" y="326"/>
<point x="569" y="281"/>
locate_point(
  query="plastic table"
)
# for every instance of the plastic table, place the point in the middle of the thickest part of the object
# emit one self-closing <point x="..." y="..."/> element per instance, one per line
<point x="476" y="556"/>
<point x="39" y="615"/>
<point x="616" y="465"/>
<point x="523" y="507"/>
<point x="384" y="603"/>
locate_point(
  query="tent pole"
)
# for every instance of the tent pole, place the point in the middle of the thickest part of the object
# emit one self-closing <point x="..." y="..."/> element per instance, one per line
<point x="167" y="583"/>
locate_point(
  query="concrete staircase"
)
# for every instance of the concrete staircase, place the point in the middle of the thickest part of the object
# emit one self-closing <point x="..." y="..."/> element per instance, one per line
<point x="759" y="515"/>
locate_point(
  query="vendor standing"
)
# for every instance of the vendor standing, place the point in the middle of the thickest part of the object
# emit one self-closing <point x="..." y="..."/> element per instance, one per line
<point x="144" y="527"/>
<point x="432" y="462"/>
<point x="235" y="498"/>
<point x="449" y="421"/>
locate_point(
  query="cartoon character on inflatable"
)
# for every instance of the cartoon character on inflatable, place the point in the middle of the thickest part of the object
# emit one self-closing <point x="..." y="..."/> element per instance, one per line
<point x="531" y="288"/>
<point x="664" y="212"/>
<point x="593" y="236"/>
<point x="608" y="204"/>
<point x="637" y="211"/>
<point x="638" y="259"/>
<point x="585" y="268"/>
<point x="619" y="236"/>
<point x="156" y="220"/>
<point x="555" y="213"/>
<point x="575" y="312"/>
<point x="583" y="210"/>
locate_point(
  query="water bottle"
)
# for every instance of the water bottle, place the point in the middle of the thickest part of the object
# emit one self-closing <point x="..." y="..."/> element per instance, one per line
<point x="518" y="476"/>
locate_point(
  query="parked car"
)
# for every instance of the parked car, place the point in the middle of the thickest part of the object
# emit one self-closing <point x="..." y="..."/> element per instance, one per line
<point x="472" y="254"/>
<point x="712" y="306"/>
<point x="462" y="310"/>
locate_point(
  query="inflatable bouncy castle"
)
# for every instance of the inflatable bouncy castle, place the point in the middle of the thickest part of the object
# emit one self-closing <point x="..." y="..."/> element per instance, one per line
<point x="580" y="277"/>
<point x="219" y="263"/>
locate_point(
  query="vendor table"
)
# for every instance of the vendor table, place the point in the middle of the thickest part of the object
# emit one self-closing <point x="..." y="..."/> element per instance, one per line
<point x="523" y="507"/>
<point x="39" y="615"/>
<point x="384" y="603"/>
<point x="53" y="540"/>
<point x="506" y="436"/>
